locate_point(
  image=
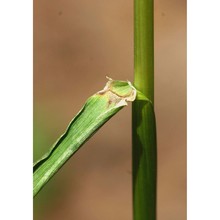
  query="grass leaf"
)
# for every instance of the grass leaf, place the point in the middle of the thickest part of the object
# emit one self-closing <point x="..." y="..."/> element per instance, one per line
<point x="97" y="110"/>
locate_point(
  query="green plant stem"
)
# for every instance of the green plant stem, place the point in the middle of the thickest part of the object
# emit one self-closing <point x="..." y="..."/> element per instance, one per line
<point x="144" y="154"/>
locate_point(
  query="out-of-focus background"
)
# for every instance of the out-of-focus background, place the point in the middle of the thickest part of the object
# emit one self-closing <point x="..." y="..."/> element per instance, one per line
<point x="76" y="44"/>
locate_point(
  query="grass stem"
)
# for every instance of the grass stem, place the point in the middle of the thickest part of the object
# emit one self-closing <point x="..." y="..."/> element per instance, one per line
<point x="144" y="153"/>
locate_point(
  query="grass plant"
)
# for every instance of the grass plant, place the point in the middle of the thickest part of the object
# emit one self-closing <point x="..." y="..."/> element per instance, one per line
<point x="100" y="107"/>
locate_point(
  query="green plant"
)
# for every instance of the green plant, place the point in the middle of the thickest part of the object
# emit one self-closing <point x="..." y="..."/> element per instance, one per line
<point x="100" y="107"/>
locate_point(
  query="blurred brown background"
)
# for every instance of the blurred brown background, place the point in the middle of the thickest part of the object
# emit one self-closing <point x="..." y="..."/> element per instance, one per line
<point x="76" y="44"/>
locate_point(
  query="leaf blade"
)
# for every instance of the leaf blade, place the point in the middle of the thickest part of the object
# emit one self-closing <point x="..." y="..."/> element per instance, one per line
<point x="97" y="110"/>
